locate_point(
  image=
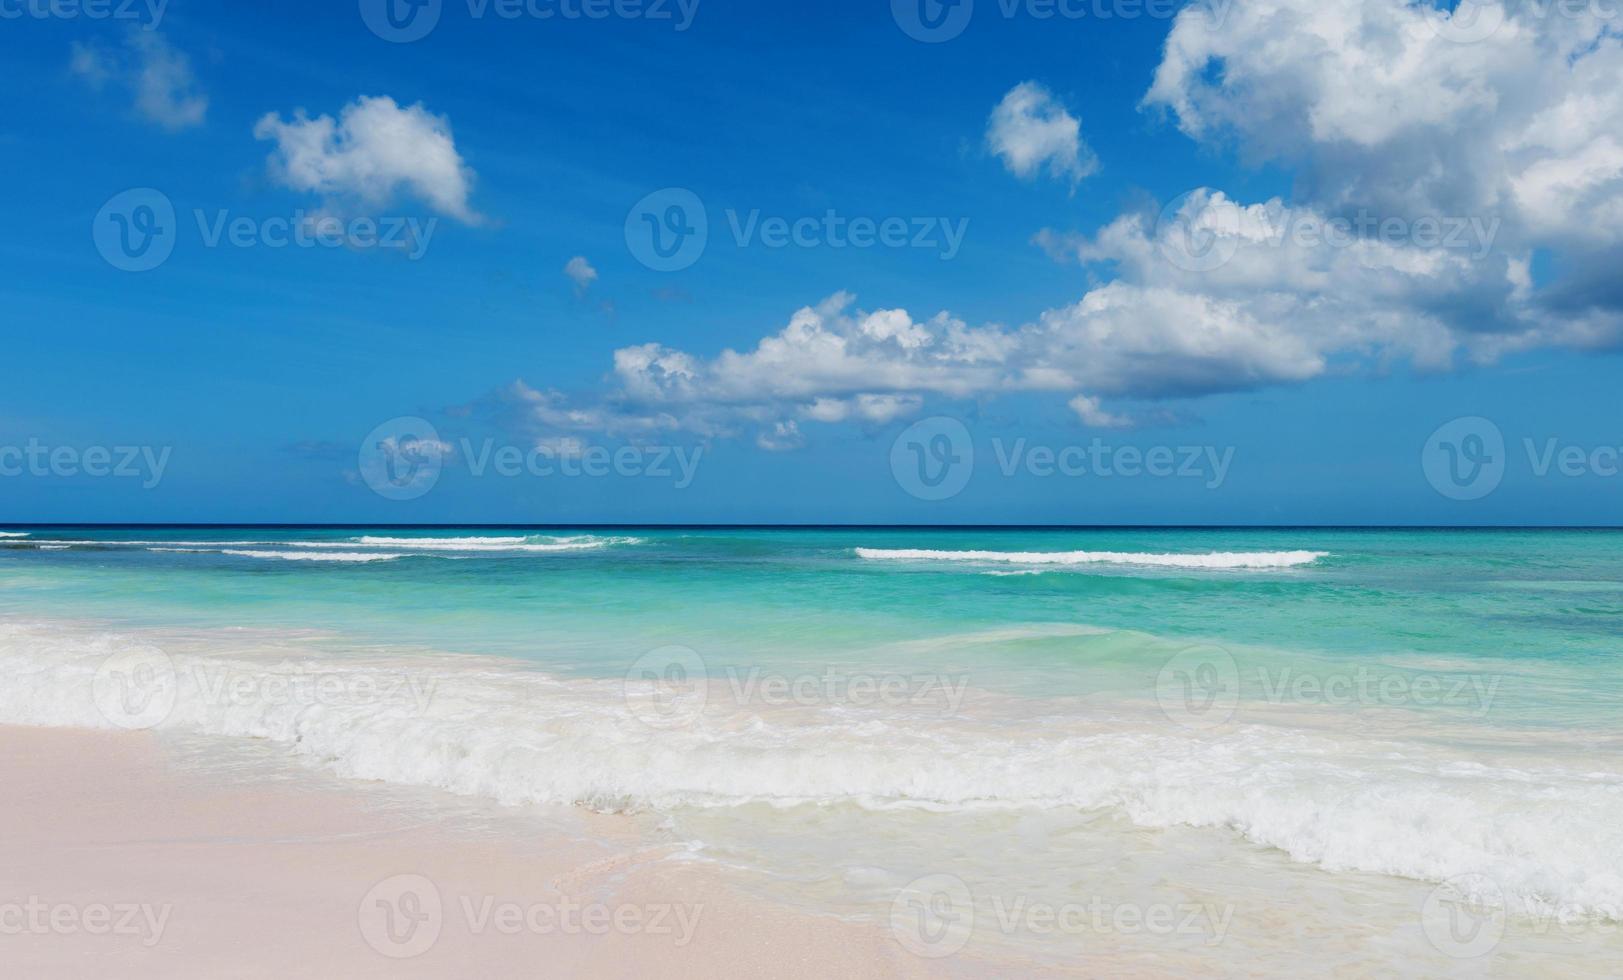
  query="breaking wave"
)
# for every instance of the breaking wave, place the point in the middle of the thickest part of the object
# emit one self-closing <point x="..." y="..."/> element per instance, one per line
<point x="1219" y="559"/>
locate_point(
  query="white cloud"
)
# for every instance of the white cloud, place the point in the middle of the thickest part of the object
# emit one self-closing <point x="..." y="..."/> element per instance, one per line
<point x="1430" y="171"/>
<point x="1384" y="104"/>
<point x="829" y="366"/>
<point x="158" y="77"/>
<point x="1088" y="410"/>
<point x="90" y="63"/>
<point x="1030" y="129"/>
<point x="580" y="272"/>
<point x="373" y="151"/>
<point x="563" y="447"/>
<point x="783" y="436"/>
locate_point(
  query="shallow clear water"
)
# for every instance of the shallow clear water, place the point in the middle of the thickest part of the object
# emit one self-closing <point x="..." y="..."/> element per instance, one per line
<point x="1269" y="736"/>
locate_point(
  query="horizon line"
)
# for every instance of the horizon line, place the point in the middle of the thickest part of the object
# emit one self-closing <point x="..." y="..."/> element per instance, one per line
<point x="190" y="525"/>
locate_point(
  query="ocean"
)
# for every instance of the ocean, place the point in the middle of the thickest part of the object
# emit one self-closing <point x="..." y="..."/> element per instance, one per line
<point x="1183" y="746"/>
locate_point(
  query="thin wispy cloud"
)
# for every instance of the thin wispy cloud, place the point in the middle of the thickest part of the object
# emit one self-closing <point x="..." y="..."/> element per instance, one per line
<point x="156" y="77"/>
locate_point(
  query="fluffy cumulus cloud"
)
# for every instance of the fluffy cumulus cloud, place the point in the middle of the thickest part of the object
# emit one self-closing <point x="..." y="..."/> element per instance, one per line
<point x="580" y="272"/>
<point x="1435" y="158"/>
<point x="157" y="77"/>
<point x="1513" y="110"/>
<point x="374" y="151"/>
<point x="1031" y="131"/>
<point x="1505" y="114"/>
<point x="836" y="363"/>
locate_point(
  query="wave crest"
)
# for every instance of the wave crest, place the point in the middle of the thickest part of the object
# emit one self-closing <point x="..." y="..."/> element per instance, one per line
<point x="1216" y="559"/>
<point x="1546" y="831"/>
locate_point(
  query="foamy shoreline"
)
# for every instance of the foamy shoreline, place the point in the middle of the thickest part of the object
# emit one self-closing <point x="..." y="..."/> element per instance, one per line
<point x="118" y="863"/>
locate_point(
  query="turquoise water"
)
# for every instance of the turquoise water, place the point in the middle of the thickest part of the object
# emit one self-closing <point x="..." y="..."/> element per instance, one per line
<point x="1306" y="712"/>
<point x="1549" y="603"/>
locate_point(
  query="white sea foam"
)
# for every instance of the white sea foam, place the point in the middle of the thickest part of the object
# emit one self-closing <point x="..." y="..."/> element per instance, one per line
<point x="1219" y="559"/>
<point x="527" y="544"/>
<point x="1542" y="825"/>
<point x="13" y="534"/>
<point x="340" y="556"/>
<point x="335" y="556"/>
<point x="349" y="546"/>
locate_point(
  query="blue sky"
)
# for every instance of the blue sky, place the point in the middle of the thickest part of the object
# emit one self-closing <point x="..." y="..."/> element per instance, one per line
<point x="1120" y="234"/>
